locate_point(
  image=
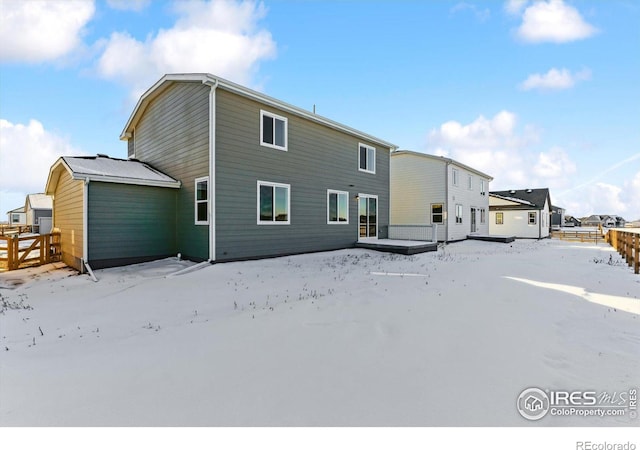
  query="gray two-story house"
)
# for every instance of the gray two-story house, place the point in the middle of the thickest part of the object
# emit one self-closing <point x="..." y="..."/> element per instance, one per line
<point x="248" y="176"/>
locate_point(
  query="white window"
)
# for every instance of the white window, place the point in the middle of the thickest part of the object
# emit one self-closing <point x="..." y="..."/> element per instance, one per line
<point x="273" y="130"/>
<point x="367" y="159"/>
<point x="458" y="213"/>
<point x="273" y="203"/>
<point x="532" y="218"/>
<point x="337" y="207"/>
<point x="454" y="176"/>
<point x="202" y="201"/>
<point x="483" y="215"/>
<point x="469" y="182"/>
<point x="437" y="213"/>
<point x="482" y="189"/>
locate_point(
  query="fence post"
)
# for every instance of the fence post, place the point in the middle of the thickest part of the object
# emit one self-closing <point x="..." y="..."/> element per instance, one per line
<point x="16" y="252"/>
<point x="636" y="257"/>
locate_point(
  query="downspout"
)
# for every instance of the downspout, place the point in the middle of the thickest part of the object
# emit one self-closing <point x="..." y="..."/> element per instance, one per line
<point x="446" y="199"/>
<point x="211" y="186"/>
<point x="85" y="227"/>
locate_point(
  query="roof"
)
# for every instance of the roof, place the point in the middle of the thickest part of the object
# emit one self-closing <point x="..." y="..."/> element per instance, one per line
<point x="19" y="209"/>
<point x="109" y="170"/>
<point x="220" y="83"/>
<point x="534" y="198"/>
<point x="443" y="160"/>
<point x="39" y="201"/>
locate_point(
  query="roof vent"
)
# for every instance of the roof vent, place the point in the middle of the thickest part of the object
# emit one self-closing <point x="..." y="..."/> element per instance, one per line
<point x="512" y="191"/>
<point x="529" y="191"/>
<point x="102" y="155"/>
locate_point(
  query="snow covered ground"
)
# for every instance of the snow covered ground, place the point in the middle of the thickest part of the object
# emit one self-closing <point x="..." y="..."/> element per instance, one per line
<point x="345" y="338"/>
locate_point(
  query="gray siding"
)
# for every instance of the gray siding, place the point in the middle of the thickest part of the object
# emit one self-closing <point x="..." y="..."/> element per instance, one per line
<point x="130" y="223"/>
<point x="318" y="158"/>
<point x="173" y="136"/>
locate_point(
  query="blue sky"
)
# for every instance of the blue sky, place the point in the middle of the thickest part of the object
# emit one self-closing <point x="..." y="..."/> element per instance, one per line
<point x="535" y="93"/>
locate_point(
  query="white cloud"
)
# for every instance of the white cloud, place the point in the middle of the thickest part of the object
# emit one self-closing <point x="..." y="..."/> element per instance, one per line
<point x="27" y="152"/>
<point x="221" y="37"/>
<point x="128" y="5"/>
<point x="555" y="164"/>
<point x="482" y="14"/>
<point x="554" y="79"/>
<point x="38" y="30"/>
<point x="553" y="21"/>
<point x="515" y="6"/>
<point x="496" y="146"/>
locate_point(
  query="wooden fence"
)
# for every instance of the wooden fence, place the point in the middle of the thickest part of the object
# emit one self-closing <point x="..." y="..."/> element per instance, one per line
<point x="18" y="252"/>
<point x="627" y="243"/>
<point x="578" y="235"/>
<point x="6" y="229"/>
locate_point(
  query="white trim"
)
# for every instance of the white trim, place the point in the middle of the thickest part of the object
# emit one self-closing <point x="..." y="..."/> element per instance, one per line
<point x="120" y="180"/>
<point x="275" y="117"/>
<point x="360" y="196"/>
<point x="368" y="168"/>
<point x="85" y="221"/>
<point x="196" y="201"/>
<point x="274" y="185"/>
<point x="461" y="213"/>
<point x="212" y="169"/>
<point x="337" y="222"/>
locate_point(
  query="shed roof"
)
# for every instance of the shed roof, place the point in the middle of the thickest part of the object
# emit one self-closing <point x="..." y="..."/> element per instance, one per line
<point x="109" y="170"/>
<point x="535" y="198"/>
<point x="39" y="201"/>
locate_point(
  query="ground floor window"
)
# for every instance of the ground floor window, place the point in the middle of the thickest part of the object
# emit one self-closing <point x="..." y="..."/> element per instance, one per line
<point x="337" y="207"/>
<point x="458" y="213"/>
<point x="499" y="218"/>
<point x="273" y="203"/>
<point x="437" y="213"/>
<point x="532" y="218"/>
<point x="202" y="201"/>
<point x="483" y="215"/>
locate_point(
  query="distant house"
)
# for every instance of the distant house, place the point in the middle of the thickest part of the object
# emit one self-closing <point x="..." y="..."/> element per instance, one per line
<point x="224" y="173"/>
<point x="39" y="212"/>
<point x="523" y="213"/>
<point x="591" y="221"/>
<point x="433" y="190"/>
<point x="570" y="221"/>
<point x="16" y="217"/>
<point x="557" y="217"/>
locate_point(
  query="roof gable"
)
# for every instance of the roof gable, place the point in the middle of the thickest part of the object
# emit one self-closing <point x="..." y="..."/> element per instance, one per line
<point x="534" y="198"/>
<point x="220" y="83"/>
<point x="39" y="201"/>
<point x="443" y="160"/>
<point x="109" y="170"/>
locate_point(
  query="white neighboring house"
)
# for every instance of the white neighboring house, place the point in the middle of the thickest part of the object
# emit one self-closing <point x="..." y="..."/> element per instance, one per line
<point x="428" y="189"/>
<point x="523" y="213"/>
<point x="39" y="211"/>
<point x="16" y="217"/>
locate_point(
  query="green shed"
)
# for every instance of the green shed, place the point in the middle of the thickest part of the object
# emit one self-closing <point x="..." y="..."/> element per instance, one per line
<point x="112" y="212"/>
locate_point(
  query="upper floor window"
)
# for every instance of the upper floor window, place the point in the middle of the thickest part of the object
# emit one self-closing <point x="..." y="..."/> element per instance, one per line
<point x="454" y="176"/>
<point x="482" y="189"/>
<point x="273" y="130"/>
<point x="273" y="203"/>
<point x="202" y="201"/>
<point x="367" y="159"/>
<point x="337" y="207"/>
